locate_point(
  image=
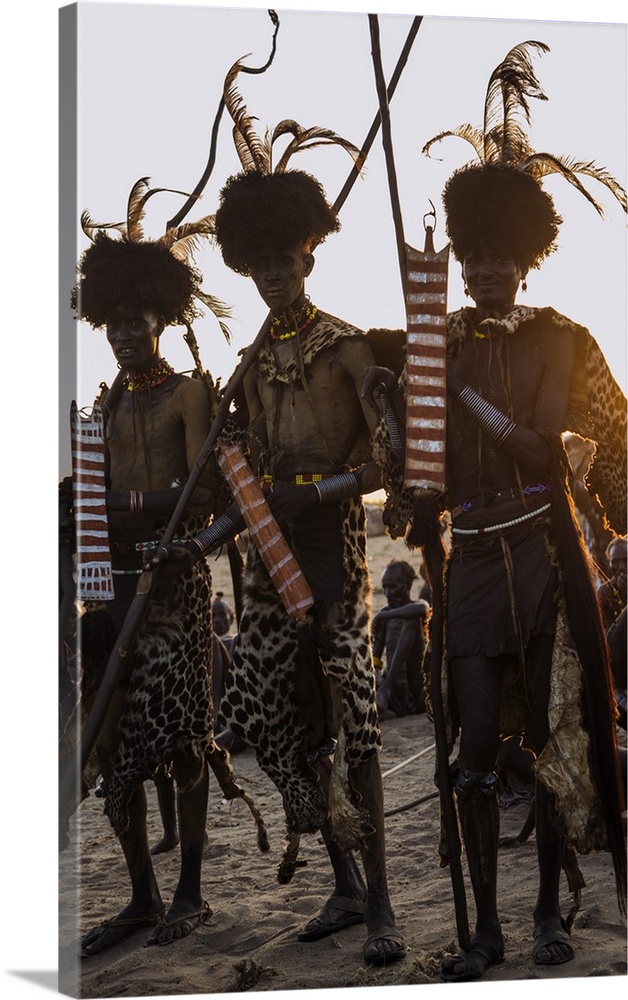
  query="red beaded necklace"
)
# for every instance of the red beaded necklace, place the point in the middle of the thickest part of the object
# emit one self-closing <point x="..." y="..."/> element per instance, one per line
<point x="140" y="381"/>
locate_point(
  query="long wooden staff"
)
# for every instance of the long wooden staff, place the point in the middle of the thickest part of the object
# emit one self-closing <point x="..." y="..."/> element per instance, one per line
<point x="372" y="133"/>
<point x="235" y="559"/>
<point x="236" y="562"/>
<point x="433" y="553"/>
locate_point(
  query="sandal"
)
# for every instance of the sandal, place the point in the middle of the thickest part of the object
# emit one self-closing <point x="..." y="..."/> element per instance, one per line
<point x="545" y="937"/>
<point x="323" y="924"/>
<point x="476" y="961"/>
<point x="391" y="934"/>
<point x="193" y="919"/>
<point x="124" y="925"/>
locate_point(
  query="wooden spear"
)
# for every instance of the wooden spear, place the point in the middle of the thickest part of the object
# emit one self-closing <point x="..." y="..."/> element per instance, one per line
<point x="374" y="129"/>
<point x="433" y="554"/>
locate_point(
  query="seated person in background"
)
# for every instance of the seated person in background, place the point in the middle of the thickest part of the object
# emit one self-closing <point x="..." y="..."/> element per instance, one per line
<point x="617" y="644"/>
<point x="612" y="593"/>
<point x="399" y="630"/>
<point x="222" y="619"/>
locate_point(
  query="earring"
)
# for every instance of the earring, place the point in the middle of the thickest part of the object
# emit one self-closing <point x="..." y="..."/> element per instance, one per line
<point x="466" y="290"/>
<point x="524" y="285"/>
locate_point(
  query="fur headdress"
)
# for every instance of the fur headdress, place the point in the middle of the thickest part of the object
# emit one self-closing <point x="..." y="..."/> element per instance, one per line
<point x="499" y="202"/>
<point x="262" y="206"/>
<point x="142" y="274"/>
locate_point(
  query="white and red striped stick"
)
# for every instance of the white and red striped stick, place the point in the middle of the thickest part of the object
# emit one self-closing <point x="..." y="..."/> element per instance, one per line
<point x="284" y="571"/>
<point x="94" y="580"/>
<point x="426" y="316"/>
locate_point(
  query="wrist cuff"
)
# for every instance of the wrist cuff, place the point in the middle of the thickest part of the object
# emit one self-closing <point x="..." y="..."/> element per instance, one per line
<point x="339" y="487"/>
<point x="217" y="532"/>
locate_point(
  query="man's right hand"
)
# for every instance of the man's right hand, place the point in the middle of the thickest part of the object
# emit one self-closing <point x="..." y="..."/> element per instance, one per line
<point x="375" y="381"/>
<point x="179" y="556"/>
<point x="66" y="493"/>
<point x="175" y="558"/>
<point x="67" y="527"/>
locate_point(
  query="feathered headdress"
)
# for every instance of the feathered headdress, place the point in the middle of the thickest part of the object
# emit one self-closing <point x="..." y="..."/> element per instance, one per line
<point x="500" y="202"/>
<point x="265" y="206"/>
<point x="132" y="271"/>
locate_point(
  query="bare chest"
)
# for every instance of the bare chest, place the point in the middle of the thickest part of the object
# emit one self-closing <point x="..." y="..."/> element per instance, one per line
<point x="315" y="415"/>
<point x="146" y="443"/>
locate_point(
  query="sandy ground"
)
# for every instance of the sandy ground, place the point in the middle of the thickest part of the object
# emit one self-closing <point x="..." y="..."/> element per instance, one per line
<point x="250" y="942"/>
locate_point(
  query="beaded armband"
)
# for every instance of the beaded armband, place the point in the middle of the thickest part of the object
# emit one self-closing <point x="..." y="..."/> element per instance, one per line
<point x="339" y="487"/>
<point x="497" y="425"/>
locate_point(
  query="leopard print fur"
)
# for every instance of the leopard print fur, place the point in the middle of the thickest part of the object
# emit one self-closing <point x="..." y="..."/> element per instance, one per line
<point x="166" y="686"/>
<point x="261" y="702"/>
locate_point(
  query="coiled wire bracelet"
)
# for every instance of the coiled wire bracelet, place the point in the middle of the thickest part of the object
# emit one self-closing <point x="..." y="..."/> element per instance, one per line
<point x="339" y="487"/>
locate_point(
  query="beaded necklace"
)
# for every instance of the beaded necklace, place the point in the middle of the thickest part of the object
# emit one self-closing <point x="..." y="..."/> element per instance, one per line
<point x="140" y="381"/>
<point x="303" y="317"/>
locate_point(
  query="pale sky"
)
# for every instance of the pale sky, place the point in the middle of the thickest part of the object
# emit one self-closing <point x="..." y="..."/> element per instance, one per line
<point x="134" y="122"/>
<point x="325" y="80"/>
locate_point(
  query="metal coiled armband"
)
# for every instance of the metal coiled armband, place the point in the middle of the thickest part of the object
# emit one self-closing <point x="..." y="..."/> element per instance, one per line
<point x="497" y="425"/>
<point x="339" y="487"/>
<point x="218" y="532"/>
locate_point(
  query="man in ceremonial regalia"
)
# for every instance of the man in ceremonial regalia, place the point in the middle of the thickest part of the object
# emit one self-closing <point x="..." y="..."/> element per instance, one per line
<point x="524" y="642"/>
<point x="160" y="716"/>
<point x="304" y="696"/>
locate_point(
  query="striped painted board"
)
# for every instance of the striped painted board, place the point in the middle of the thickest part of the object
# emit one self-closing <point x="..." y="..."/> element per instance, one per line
<point x="94" y="579"/>
<point x="426" y="318"/>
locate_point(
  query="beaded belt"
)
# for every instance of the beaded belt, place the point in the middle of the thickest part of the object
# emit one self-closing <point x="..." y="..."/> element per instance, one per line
<point x="128" y="548"/>
<point x="505" y="524"/>
<point x="132" y="549"/>
<point x="300" y="479"/>
<point x="148" y="546"/>
<point x="499" y="496"/>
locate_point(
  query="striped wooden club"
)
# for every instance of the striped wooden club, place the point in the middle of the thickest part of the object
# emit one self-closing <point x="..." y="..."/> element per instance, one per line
<point x="284" y="571"/>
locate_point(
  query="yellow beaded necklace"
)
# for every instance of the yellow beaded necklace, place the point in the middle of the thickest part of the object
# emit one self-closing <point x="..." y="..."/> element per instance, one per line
<point x="486" y="336"/>
<point x="302" y="319"/>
